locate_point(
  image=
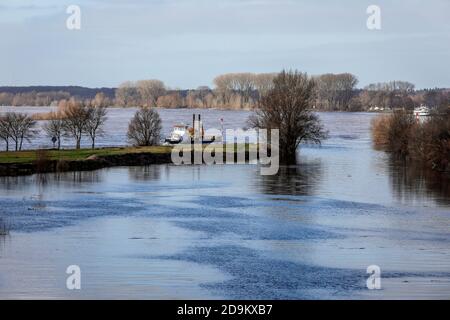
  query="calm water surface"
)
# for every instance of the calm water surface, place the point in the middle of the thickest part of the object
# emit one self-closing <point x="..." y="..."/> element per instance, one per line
<point x="228" y="232"/>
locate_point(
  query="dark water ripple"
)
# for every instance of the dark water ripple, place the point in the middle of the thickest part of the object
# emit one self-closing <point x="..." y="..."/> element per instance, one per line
<point x="264" y="278"/>
<point x="31" y="215"/>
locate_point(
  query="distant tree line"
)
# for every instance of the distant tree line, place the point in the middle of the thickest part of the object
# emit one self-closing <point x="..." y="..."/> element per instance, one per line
<point x="48" y="95"/>
<point x="232" y="91"/>
<point x="333" y="92"/>
<point x="33" y="98"/>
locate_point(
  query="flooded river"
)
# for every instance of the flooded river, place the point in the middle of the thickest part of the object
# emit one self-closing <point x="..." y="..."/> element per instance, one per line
<point x="225" y="231"/>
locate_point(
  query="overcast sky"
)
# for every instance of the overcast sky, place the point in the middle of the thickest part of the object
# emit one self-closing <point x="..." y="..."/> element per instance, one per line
<point x="186" y="43"/>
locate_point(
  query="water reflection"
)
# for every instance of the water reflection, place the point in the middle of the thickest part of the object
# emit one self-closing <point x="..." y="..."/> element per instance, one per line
<point x="302" y="179"/>
<point x="5" y="240"/>
<point x="67" y="178"/>
<point x="411" y="183"/>
<point x="11" y="183"/>
<point x="145" y="173"/>
<point x="40" y="188"/>
<point x="77" y="177"/>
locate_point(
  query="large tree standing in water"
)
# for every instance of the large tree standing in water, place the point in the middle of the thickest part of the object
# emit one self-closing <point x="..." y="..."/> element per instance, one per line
<point x="287" y="107"/>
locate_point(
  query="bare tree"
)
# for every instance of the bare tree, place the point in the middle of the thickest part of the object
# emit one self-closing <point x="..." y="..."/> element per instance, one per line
<point x="96" y="118"/>
<point x="26" y="129"/>
<point x="245" y="84"/>
<point x="172" y="100"/>
<point x="224" y="88"/>
<point x="346" y="87"/>
<point x="391" y="86"/>
<point x="150" y="91"/>
<point x="127" y="94"/>
<point x="326" y="91"/>
<point x="5" y="131"/>
<point x="231" y="83"/>
<point x="287" y="107"/>
<point x="203" y="93"/>
<point x="145" y="127"/>
<point x="6" y="99"/>
<point x="264" y="82"/>
<point x="17" y="127"/>
<point x="54" y="127"/>
<point x="100" y="100"/>
<point x="335" y="91"/>
<point x="199" y="98"/>
<point x="76" y="116"/>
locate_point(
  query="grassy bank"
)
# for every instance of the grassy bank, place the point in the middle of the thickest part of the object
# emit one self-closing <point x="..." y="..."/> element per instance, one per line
<point x="45" y="161"/>
<point x="28" y="156"/>
<point x="16" y="163"/>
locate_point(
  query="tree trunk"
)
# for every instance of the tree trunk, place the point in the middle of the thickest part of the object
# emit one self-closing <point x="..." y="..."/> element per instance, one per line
<point x="78" y="143"/>
<point x="21" y="141"/>
<point x="93" y="143"/>
<point x="288" y="155"/>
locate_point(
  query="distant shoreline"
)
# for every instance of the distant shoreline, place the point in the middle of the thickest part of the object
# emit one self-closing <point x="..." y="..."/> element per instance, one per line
<point x="218" y="109"/>
<point x="131" y="107"/>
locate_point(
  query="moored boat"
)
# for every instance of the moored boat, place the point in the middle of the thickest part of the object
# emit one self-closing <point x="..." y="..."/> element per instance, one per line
<point x="178" y="134"/>
<point x="182" y="133"/>
<point x="422" y="111"/>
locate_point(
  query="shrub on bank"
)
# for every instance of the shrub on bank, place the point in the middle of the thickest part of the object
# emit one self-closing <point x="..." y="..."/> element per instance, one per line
<point x="392" y="132"/>
<point x="427" y="142"/>
<point x="430" y="142"/>
<point x="380" y="131"/>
